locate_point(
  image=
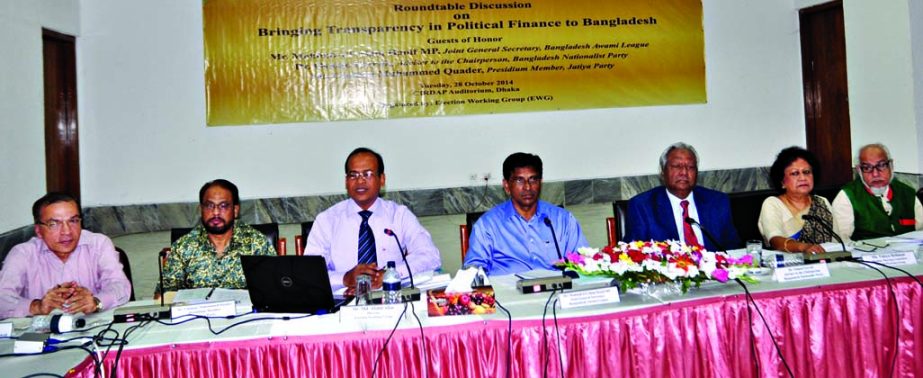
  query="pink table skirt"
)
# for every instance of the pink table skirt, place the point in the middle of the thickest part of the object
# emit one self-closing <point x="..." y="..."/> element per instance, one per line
<point x="844" y="330"/>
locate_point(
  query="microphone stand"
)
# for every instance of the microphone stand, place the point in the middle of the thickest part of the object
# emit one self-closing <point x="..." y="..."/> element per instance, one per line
<point x="832" y="256"/>
<point x="693" y="222"/>
<point x="557" y="247"/>
<point x="391" y="233"/>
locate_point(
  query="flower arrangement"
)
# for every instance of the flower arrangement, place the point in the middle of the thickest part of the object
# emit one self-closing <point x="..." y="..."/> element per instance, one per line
<point x="657" y="262"/>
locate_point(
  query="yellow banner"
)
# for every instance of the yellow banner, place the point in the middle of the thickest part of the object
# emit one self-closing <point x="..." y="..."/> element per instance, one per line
<point x="276" y="61"/>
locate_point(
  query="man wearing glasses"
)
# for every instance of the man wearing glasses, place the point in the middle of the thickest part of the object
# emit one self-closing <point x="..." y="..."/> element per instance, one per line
<point x="514" y="237"/>
<point x="209" y="255"/>
<point x="351" y="235"/>
<point x="873" y="205"/>
<point x="662" y="213"/>
<point x="63" y="267"/>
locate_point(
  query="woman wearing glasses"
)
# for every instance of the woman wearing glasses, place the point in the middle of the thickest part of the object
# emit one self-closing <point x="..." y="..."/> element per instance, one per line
<point x="796" y="220"/>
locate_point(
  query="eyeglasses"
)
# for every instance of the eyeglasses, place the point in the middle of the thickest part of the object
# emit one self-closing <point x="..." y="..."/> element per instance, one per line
<point x="679" y="167"/>
<point x="355" y="175"/>
<point x="880" y="167"/>
<point x="803" y="172"/>
<point x="224" y="206"/>
<point x="521" y="181"/>
<point x="56" y="225"/>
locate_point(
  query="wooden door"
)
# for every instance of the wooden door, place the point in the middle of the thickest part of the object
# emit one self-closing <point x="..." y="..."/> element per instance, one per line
<point x="62" y="153"/>
<point x="826" y="98"/>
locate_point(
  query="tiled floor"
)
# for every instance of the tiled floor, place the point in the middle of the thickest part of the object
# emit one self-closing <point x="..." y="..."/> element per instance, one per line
<point x="142" y="248"/>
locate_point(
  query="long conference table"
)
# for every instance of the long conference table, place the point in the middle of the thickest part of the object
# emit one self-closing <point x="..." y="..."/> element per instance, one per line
<point x="842" y="326"/>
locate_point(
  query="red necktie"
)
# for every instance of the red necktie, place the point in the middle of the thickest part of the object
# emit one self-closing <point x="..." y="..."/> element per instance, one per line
<point x="688" y="234"/>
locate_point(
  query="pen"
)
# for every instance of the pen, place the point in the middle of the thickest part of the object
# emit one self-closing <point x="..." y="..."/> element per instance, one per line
<point x="207" y="297"/>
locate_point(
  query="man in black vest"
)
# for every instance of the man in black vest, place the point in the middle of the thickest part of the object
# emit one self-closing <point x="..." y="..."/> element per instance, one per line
<point x="873" y="205"/>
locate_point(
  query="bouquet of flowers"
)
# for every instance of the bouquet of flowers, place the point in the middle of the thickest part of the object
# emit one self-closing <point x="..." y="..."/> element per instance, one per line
<point x="657" y="262"/>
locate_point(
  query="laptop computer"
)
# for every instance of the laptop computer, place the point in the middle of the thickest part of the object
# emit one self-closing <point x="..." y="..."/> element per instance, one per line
<point x="290" y="284"/>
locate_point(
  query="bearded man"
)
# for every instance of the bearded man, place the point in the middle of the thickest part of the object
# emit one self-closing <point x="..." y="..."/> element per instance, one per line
<point x="209" y="255"/>
<point x="873" y="205"/>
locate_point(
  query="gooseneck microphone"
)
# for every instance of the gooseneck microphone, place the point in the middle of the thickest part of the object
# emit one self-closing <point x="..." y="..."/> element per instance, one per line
<point x="693" y="222"/>
<point x="160" y="256"/>
<point x="828" y="227"/>
<point x="557" y="248"/>
<point x="400" y="248"/>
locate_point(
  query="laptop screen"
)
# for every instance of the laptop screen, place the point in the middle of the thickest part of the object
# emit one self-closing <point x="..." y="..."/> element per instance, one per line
<point x="289" y="284"/>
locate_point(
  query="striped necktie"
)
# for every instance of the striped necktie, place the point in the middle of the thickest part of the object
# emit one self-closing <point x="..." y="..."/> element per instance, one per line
<point x="366" y="240"/>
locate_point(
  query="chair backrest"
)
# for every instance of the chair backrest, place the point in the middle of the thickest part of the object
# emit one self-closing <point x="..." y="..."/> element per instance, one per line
<point x="745" y="211"/>
<point x="126" y="267"/>
<point x="271" y="230"/>
<point x="301" y="241"/>
<point x="464" y="231"/>
<point x="920" y="194"/>
<point x="618" y="224"/>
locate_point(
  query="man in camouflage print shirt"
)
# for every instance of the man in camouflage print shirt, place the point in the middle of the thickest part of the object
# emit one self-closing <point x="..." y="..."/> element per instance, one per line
<point x="209" y="255"/>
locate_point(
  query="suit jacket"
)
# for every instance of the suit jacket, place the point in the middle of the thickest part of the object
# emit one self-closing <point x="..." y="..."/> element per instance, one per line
<point x="650" y="217"/>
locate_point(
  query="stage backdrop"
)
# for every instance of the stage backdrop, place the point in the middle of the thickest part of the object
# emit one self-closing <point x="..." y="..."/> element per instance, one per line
<point x="277" y="61"/>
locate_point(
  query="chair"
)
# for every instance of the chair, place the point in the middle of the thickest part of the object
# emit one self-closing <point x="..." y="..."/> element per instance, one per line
<point x="745" y="212"/>
<point x="126" y="267"/>
<point x="301" y="241"/>
<point x="617" y="225"/>
<point x="464" y="231"/>
<point x="920" y="194"/>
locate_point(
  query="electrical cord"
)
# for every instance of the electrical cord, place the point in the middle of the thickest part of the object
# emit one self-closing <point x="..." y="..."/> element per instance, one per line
<point x="509" y="338"/>
<point x="768" y="330"/>
<point x="390" y="335"/>
<point x="554" y="314"/>
<point x="892" y="267"/>
<point x="424" y="366"/>
<point x="897" y="315"/>
<point x="544" y="334"/>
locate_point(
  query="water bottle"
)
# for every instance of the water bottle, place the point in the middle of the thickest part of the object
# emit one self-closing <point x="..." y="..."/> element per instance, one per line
<point x="392" y="284"/>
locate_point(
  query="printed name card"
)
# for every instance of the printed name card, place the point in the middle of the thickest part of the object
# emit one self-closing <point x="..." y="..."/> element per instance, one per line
<point x="892" y="258"/>
<point x="584" y="298"/>
<point x="210" y="309"/>
<point x="801" y="272"/>
<point x="6" y="329"/>
<point x="378" y="312"/>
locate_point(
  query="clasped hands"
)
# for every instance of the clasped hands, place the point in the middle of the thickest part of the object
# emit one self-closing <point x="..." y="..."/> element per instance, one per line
<point x="349" y="279"/>
<point x="68" y="297"/>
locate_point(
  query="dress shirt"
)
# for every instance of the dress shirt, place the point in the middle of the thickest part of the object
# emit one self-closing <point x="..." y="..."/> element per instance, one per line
<point x="335" y="236"/>
<point x="503" y="242"/>
<point x="31" y="270"/>
<point x="194" y="263"/>
<point x="676" y="205"/>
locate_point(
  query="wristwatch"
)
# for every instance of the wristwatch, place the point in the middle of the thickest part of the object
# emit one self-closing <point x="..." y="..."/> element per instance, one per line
<point x="99" y="304"/>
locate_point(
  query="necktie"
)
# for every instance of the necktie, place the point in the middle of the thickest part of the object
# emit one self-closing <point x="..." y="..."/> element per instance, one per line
<point x="688" y="234"/>
<point x="366" y="240"/>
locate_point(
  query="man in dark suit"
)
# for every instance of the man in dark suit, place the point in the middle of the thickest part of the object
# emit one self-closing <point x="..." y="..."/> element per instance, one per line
<point x="661" y="213"/>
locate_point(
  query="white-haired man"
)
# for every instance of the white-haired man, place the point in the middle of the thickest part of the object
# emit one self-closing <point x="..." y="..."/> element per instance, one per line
<point x="874" y="205"/>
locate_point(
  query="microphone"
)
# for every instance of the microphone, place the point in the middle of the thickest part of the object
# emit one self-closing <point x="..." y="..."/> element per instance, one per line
<point x="160" y="256"/>
<point x="557" y="248"/>
<point x="693" y="222"/>
<point x="391" y="233"/>
<point x="826" y="226"/>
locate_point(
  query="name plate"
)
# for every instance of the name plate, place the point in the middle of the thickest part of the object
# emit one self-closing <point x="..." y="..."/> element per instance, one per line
<point x="382" y="312"/>
<point x="892" y="258"/>
<point x="210" y="309"/>
<point x="6" y="329"/>
<point x="801" y="272"/>
<point x="592" y="297"/>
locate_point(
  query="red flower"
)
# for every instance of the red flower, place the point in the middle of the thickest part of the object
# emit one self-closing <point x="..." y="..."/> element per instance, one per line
<point x="636" y="256"/>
